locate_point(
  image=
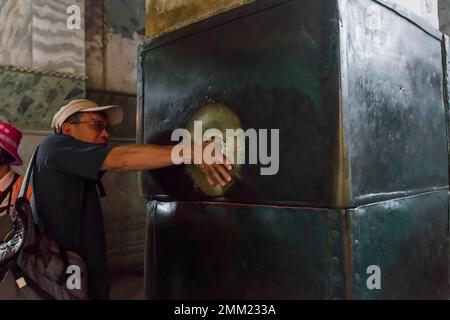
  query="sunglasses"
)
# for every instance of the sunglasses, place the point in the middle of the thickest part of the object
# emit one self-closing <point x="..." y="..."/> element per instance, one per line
<point x="96" y="125"/>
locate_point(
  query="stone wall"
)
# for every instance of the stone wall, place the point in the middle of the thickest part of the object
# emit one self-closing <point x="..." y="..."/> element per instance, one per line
<point x="42" y="63"/>
<point x="444" y="16"/>
<point x="113" y="32"/>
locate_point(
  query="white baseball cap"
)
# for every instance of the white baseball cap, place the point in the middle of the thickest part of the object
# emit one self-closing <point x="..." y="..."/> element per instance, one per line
<point x="114" y="114"/>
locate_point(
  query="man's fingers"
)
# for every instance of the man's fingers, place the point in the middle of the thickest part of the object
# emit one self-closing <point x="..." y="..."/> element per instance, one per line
<point x="217" y="171"/>
<point x="223" y="172"/>
<point x="217" y="176"/>
<point x="205" y="170"/>
<point x="210" y="180"/>
<point x="226" y="163"/>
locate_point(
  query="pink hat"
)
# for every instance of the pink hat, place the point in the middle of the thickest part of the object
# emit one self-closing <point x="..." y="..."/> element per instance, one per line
<point x="9" y="141"/>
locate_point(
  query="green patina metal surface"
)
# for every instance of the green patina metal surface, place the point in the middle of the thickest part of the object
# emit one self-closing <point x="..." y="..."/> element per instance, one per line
<point x="164" y="16"/>
<point x="358" y="132"/>
<point x="408" y="239"/>
<point x="446" y="67"/>
<point x="239" y="252"/>
<point x="356" y="129"/>
<point x="363" y="154"/>
<point x="283" y="77"/>
<point x="248" y="252"/>
<point x="30" y="100"/>
<point x="395" y="121"/>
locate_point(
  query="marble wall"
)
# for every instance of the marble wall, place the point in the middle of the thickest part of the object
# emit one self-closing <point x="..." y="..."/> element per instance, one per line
<point x="444" y="16"/>
<point x="56" y="47"/>
<point x="124" y="214"/>
<point x="29" y="100"/>
<point x="95" y="44"/>
<point x="125" y="30"/>
<point x="34" y="34"/>
<point x="15" y="33"/>
<point x="114" y="29"/>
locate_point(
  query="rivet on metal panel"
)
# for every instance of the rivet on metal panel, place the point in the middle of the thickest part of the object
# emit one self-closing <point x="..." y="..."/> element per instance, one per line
<point x="356" y="244"/>
<point x="336" y="275"/>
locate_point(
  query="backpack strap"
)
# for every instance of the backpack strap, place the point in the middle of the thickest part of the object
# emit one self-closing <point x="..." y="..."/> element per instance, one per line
<point x="23" y="216"/>
<point x="99" y="183"/>
<point x="27" y="181"/>
<point x="23" y="280"/>
<point x="9" y="190"/>
<point x="28" y="174"/>
<point x="101" y="189"/>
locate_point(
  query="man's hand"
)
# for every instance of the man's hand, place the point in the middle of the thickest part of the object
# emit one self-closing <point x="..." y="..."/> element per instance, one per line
<point x="218" y="171"/>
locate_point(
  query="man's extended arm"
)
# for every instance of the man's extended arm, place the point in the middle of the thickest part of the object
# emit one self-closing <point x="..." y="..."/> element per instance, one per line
<point x="138" y="157"/>
<point x="147" y="157"/>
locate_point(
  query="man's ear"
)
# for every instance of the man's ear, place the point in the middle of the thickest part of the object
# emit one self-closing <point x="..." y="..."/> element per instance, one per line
<point x="66" y="129"/>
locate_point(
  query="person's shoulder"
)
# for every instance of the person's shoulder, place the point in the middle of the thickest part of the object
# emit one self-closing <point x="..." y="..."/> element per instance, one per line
<point x="52" y="144"/>
<point x="55" y="137"/>
<point x="54" y="140"/>
<point x="57" y="144"/>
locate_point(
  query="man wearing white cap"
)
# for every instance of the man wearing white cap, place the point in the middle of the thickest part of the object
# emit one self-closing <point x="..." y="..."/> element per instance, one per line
<point x="69" y="165"/>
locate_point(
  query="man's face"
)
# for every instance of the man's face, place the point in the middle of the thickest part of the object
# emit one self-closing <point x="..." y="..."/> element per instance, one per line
<point x="91" y="127"/>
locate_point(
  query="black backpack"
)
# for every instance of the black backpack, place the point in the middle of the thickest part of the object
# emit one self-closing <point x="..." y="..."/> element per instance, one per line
<point x="32" y="265"/>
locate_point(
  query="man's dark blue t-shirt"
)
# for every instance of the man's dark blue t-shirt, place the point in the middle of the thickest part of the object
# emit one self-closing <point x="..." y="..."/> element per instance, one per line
<point x="67" y="202"/>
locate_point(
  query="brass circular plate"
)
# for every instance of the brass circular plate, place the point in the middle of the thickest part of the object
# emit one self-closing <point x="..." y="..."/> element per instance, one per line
<point x="220" y="117"/>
